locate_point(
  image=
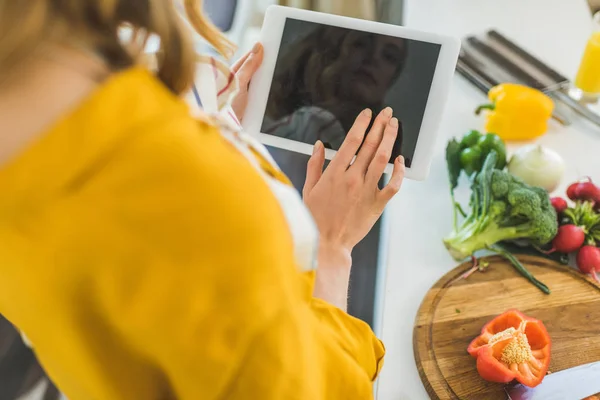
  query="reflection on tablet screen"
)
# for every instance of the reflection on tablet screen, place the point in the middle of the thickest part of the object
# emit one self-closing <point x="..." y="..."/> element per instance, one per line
<point x="325" y="76"/>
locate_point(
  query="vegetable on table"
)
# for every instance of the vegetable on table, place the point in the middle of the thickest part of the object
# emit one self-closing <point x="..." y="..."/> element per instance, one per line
<point x="503" y="208"/>
<point x="512" y="346"/>
<point x="584" y="215"/>
<point x="517" y="112"/>
<point x="475" y="147"/>
<point x="584" y="190"/>
<point x="569" y="238"/>
<point x="468" y="155"/>
<point x="588" y="261"/>
<point x="580" y="229"/>
<point x="537" y="166"/>
<point x="559" y="204"/>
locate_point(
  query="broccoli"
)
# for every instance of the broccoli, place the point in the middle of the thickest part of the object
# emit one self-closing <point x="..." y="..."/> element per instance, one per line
<point x="503" y="208"/>
<point x="500" y="183"/>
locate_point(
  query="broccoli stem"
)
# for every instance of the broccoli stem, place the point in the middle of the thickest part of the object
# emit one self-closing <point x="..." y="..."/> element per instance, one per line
<point x="477" y="235"/>
<point x="480" y="234"/>
<point x="457" y="208"/>
<point x="519" y="267"/>
<point x="454" y="211"/>
<point x="460" y="209"/>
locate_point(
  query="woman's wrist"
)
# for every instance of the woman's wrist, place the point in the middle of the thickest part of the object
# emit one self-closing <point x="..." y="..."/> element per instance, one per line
<point x="333" y="274"/>
<point x="334" y="256"/>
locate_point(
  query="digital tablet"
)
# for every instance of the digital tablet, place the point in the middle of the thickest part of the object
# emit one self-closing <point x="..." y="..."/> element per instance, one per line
<point x="320" y="71"/>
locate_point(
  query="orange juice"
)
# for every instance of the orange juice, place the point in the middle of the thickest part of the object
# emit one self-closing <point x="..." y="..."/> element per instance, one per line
<point x="588" y="77"/>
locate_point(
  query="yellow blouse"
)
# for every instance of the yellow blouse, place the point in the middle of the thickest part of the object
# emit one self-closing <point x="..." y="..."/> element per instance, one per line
<point x="145" y="258"/>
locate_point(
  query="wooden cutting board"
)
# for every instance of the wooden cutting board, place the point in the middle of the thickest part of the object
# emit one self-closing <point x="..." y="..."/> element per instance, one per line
<point x="452" y="314"/>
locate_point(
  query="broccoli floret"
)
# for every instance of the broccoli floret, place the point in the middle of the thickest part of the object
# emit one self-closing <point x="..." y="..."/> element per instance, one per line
<point x="500" y="182"/>
<point x="545" y="226"/>
<point x="502" y="208"/>
<point x="545" y="202"/>
<point x="524" y="202"/>
<point x="498" y="207"/>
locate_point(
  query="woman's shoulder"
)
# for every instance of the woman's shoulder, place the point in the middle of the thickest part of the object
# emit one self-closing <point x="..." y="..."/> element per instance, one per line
<point x="182" y="196"/>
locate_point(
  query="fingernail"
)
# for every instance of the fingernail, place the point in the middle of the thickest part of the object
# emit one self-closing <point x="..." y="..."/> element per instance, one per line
<point x="400" y="160"/>
<point x="257" y="47"/>
<point x="387" y="112"/>
<point x="367" y="113"/>
<point x="317" y="147"/>
<point x="394" y="122"/>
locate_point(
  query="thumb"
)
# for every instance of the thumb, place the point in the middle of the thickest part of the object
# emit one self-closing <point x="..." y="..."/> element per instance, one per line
<point x="314" y="169"/>
<point x="249" y="66"/>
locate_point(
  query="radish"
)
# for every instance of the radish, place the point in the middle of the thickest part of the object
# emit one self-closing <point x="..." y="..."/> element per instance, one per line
<point x="589" y="192"/>
<point x="568" y="239"/>
<point x="559" y="204"/>
<point x="584" y="190"/>
<point x="588" y="261"/>
<point x="571" y="191"/>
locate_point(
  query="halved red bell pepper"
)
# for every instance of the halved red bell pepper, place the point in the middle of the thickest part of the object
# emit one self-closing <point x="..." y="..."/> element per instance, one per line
<point x="512" y="346"/>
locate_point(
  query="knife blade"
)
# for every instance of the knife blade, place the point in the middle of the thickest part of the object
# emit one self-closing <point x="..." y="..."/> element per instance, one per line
<point x="570" y="384"/>
<point x="474" y="65"/>
<point x="470" y="76"/>
<point x="506" y="63"/>
<point x="558" y="78"/>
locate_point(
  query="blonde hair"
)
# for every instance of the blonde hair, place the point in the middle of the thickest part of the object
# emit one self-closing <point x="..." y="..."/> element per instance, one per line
<point x="25" y="25"/>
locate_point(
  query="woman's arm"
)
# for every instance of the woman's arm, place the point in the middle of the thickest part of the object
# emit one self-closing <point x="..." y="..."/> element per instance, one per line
<point x="333" y="275"/>
<point x="197" y="278"/>
<point x="346" y="201"/>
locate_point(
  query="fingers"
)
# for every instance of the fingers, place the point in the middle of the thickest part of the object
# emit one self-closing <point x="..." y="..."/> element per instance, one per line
<point x="371" y="143"/>
<point x="238" y="64"/>
<point x="384" y="152"/>
<point x="245" y="68"/>
<point x="314" y="169"/>
<point x="393" y="186"/>
<point x="353" y="140"/>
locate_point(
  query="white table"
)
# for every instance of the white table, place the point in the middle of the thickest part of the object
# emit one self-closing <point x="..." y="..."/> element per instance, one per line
<point x="556" y="31"/>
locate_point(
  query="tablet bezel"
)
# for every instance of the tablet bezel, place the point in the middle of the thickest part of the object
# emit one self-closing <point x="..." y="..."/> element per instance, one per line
<point x="271" y="35"/>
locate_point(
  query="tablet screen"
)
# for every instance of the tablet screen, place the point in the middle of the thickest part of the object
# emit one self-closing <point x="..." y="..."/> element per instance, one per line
<point x="325" y="76"/>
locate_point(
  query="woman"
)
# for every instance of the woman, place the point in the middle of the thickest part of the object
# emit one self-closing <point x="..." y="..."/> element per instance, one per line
<point x="150" y="255"/>
<point x="325" y="79"/>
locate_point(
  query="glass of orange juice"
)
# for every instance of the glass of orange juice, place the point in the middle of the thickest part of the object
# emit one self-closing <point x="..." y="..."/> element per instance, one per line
<point x="588" y="76"/>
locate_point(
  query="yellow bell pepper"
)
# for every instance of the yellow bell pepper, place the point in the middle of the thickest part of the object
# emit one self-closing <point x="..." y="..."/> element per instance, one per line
<point x="517" y="112"/>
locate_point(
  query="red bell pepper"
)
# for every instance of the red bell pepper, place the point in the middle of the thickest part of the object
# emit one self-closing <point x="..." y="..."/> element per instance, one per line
<point x="512" y="346"/>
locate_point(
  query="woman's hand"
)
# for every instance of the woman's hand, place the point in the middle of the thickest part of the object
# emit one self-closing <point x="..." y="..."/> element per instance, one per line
<point x="244" y="69"/>
<point x="346" y="201"/>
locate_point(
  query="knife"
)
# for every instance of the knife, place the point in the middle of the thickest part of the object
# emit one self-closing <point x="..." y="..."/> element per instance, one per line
<point x="570" y="384"/>
<point x="558" y="78"/>
<point x="467" y="73"/>
<point x="506" y="63"/>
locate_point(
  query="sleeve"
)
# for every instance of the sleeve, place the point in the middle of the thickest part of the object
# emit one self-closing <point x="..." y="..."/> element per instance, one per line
<point x="218" y="305"/>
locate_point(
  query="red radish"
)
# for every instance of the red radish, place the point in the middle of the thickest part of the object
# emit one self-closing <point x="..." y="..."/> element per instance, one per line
<point x="559" y="204"/>
<point x="588" y="261"/>
<point x="568" y="239"/>
<point x="589" y="192"/>
<point x="572" y="191"/>
<point x="584" y="190"/>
